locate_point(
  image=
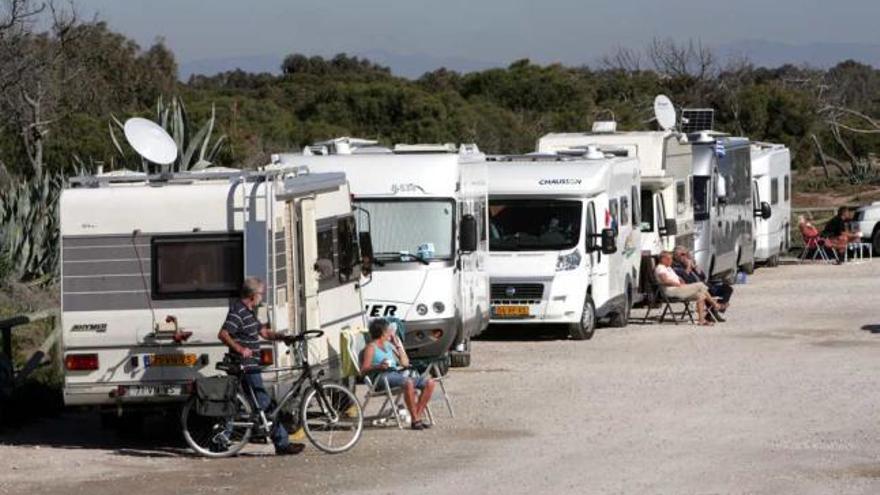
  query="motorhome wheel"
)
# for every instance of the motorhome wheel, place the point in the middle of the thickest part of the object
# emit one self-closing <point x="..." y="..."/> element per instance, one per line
<point x="461" y="359"/>
<point x="584" y="329"/>
<point x="875" y="241"/>
<point x="621" y="319"/>
<point x="773" y="260"/>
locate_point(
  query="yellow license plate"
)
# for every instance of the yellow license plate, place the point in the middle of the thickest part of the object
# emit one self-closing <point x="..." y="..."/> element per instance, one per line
<point x="511" y="311"/>
<point x="173" y="360"/>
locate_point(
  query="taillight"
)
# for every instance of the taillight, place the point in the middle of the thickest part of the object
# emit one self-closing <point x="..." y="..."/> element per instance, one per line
<point x="81" y="362"/>
<point x="267" y="357"/>
<point x="436" y="333"/>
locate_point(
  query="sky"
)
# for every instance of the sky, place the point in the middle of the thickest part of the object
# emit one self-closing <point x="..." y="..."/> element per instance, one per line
<point x="495" y="31"/>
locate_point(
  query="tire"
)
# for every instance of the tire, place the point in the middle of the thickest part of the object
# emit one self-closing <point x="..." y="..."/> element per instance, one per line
<point x="584" y="329"/>
<point x="620" y="320"/>
<point x="773" y="261"/>
<point x="875" y="242"/>
<point x="208" y="436"/>
<point x="340" y="414"/>
<point x="749" y="268"/>
<point x="460" y="359"/>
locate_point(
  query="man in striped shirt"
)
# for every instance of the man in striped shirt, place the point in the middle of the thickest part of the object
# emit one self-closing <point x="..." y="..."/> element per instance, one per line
<point x="241" y="332"/>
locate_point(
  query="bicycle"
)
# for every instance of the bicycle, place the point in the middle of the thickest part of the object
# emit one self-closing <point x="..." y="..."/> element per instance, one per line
<point x="326" y="411"/>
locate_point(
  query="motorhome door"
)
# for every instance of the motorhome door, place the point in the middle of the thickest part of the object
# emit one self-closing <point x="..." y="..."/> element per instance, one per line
<point x="308" y="229"/>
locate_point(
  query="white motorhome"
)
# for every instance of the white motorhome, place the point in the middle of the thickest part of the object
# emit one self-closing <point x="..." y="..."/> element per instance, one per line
<point x="150" y="265"/>
<point x="426" y="208"/>
<point x="564" y="239"/>
<point x="666" y="179"/>
<point x="724" y="211"/>
<point x="771" y="187"/>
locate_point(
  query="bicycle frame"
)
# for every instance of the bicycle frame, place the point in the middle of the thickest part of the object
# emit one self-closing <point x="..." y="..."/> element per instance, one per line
<point x="295" y="390"/>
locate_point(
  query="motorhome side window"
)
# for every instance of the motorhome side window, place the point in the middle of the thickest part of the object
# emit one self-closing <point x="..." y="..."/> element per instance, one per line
<point x="647" y="222"/>
<point x="774" y="191"/>
<point x="338" y="260"/>
<point x="636" y="207"/>
<point x="680" y="196"/>
<point x="624" y="211"/>
<point x="702" y="200"/>
<point x="196" y="266"/>
<point x="613" y="209"/>
<point x="786" y="191"/>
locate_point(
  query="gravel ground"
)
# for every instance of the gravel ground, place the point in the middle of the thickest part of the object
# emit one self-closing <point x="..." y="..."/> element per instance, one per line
<point x="780" y="399"/>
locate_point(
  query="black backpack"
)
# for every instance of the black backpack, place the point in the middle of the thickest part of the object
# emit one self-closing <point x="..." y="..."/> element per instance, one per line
<point x="215" y="396"/>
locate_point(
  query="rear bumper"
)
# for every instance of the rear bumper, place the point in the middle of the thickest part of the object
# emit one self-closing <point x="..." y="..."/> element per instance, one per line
<point x="420" y="341"/>
<point x="105" y="395"/>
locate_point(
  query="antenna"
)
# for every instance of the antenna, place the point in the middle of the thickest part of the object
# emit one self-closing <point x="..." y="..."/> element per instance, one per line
<point x="150" y="141"/>
<point x="664" y="112"/>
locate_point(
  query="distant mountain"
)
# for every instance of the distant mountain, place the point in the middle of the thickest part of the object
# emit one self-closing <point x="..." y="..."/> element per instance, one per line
<point x="410" y="65"/>
<point x="820" y="55"/>
<point x="211" y="66"/>
<point x="413" y="65"/>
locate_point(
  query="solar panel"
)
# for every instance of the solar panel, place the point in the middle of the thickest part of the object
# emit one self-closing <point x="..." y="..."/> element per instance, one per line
<point x="697" y="119"/>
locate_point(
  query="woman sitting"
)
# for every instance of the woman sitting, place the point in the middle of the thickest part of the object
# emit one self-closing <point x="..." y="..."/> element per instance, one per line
<point x="385" y="355"/>
<point x="673" y="286"/>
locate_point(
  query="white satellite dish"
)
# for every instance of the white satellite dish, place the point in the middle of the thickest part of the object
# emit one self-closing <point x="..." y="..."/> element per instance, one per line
<point x="664" y="112"/>
<point x="150" y="141"/>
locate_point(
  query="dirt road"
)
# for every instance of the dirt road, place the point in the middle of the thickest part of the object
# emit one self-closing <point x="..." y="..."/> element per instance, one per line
<point x="781" y="399"/>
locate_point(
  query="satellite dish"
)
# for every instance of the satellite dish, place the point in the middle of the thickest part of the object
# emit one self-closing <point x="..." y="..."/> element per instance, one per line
<point x="664" y="112"/>
<point x="150" y="141"/>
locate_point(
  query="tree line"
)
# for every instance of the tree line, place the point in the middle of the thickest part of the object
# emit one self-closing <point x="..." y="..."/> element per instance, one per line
<point x="66" y="83"/>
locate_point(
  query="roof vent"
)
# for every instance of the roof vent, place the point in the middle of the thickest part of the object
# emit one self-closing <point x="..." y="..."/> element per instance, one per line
<point x="594" y="153"/>
<point x="604" y="127"/>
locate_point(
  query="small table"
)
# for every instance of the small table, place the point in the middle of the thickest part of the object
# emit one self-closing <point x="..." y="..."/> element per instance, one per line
<point x="858" y="249"/>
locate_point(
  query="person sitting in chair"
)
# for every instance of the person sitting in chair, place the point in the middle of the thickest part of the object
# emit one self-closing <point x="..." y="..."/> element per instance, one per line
<point x="385" y="355"/>
<point x="686" y="268"/>
<point x="837" y="233"/>
<point x="673" y="286"/>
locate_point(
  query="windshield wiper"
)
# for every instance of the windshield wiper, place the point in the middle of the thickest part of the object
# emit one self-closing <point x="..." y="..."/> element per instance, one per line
<point x="406" y="254"/>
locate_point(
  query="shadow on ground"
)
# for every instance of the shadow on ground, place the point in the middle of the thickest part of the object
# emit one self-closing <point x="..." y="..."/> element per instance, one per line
<point x="150" y="436"/>
<point x="875" y="328"/>
<point x="524" y="333"/>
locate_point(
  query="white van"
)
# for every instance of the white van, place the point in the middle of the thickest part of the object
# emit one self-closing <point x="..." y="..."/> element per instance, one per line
<point x="724" y="208"/>
<point x="426" y="208"/>
<point x="564" y="239"/>
<point x="666" y="179"/>
<point x="771" y="187"/>
<point x="149" y="266"/>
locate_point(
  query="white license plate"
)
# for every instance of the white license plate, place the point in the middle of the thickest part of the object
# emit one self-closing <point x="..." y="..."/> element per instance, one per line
<point x="153" y="390"/>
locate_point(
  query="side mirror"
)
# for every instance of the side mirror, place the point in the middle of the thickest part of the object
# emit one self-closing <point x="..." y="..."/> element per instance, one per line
<point x="366" y="242"/>
<point x="467" y="237"/>
<point x="609" y="244"/>
<point x="764" y="211"/>
<point x="720" y="187"/>
<point x="670" y="227"/>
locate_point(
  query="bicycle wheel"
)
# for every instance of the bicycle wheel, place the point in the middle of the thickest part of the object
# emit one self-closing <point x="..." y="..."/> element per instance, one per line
<point x="332" y="418"/>
<point x="217" y="437"/>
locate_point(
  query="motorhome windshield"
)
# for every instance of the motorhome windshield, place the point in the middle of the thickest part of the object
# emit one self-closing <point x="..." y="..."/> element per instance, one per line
<point x="701" y="198"/>
<point x="534" y="224"/>
<point x="409" y="230"/>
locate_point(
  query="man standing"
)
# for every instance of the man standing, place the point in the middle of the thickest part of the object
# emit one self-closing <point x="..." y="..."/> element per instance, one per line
<point x="241" y="332"/>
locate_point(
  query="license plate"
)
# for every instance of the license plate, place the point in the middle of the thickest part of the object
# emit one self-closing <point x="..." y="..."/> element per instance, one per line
<point x="511" y="311"/>
<point x="153" y="390"/>
<point x="173" y="360"/>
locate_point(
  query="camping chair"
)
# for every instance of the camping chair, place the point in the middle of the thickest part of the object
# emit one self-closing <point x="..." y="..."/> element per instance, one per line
<point x="354" y="343"/>
<point x="818" y="245"/>
<point x="656" y="294"/>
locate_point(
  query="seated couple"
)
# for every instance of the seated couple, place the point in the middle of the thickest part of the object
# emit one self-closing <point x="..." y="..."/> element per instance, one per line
<point x="385" y="356"/>
<point x="673" y="286"/>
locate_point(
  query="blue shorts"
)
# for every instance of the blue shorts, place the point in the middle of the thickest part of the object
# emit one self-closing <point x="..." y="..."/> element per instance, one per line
<point x="397" y="379"/>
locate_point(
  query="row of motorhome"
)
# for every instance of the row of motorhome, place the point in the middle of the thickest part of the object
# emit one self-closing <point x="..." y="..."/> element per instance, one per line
<point x="445" y="238"/>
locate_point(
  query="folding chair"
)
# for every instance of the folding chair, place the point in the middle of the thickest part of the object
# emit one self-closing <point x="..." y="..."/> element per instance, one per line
<point x="656" y="294"/>
<point x="818" y="246"/>
<point x="357" y="341"/>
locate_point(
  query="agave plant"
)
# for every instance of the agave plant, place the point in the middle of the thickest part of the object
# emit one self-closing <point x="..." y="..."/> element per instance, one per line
<point x="195" y="150"/>
<point x="29" y="236"/>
